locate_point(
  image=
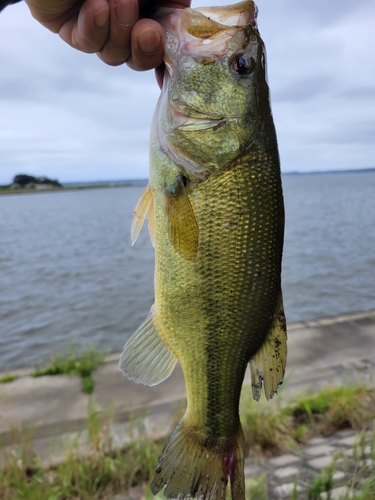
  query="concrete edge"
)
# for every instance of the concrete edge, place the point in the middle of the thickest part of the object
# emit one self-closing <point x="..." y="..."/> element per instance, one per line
<point x="292" y="327"/>
<point x="332" y="320"/>
<point x="73" y="426"/>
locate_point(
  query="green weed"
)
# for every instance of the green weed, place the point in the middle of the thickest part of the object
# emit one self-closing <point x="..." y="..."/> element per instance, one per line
<point x="294" y="495"/>
<point x="7" y="378"/>
<point x="88" y="384"/>
<point x="333" y="409"/>
<point x="323" y="482"/>
<point x="256" y="489"/>
<point x="73" y="364"/>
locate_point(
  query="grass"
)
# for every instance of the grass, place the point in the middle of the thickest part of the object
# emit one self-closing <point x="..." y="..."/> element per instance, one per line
<point x="256" y="489"/>
<point x="97" y="473"/>
<point x="73" y="364"/>
<point x="99" y="470"/>
<point x="323" y="482"/>
<point x="270" y="428"/>
<point x="8" y="378"/>
<point x="334" y="409"/>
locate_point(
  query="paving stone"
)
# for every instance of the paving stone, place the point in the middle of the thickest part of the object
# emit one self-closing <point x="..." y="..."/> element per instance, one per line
<point x="284" y="460"/>
<point x="285" y="490"/>
<point x="367" y="451"/>
<point x="344" y="434"/>
<point x="356" y="451"/>
<point x="305" y="474"/>
<point x="251" y="469"/>
<point x="338" y="476"/>
<point x="337" y="493"/>
<point x="348" y="441"/>
<point x="284" y="472"/>
<point x="368" y="462"/>
<point x="320" y="463"/>
<point x="316" y="441"/>
<point x="322" y="449"/>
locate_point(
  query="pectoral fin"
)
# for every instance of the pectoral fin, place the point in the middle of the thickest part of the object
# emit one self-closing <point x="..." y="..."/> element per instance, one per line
<point x="268" y="365"/>
<point x="143" y="209"/>
<point x="182" y="224"/>
<point x="146" y="358"/>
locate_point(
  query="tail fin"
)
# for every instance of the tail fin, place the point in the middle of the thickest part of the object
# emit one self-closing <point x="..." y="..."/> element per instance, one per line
<point x="187" y="468"/>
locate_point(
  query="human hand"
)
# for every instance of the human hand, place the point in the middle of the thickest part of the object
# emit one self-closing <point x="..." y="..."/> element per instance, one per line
<point x="117" y="30"/>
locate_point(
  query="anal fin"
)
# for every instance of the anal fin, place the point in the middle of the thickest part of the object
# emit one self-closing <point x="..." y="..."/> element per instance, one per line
<point x="268" y="364"/>
<point x="181" y="221"/>
<point x="146" y="358"/>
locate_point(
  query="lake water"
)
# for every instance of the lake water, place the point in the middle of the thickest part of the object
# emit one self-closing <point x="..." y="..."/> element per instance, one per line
<point x="68" y="274"/>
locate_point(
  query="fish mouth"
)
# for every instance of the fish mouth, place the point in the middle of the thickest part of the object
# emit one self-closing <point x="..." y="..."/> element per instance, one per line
<point x="204" y="32"/>
<point x="235" y="15"/>
<point x="191" y="119"/>
<point x="200" y="124"/>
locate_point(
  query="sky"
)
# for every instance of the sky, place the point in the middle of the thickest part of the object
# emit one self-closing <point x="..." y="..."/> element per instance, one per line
<point x="66" y="115"/>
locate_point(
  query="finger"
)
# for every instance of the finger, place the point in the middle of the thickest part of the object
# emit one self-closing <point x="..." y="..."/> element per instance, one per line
<point x="147" y="45"/>
<point x="123" y="16"/>
<point x="53" y="15"/>
<point x="89" y="31"/>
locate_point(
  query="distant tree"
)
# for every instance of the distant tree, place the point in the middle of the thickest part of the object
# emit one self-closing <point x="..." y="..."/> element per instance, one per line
<point x="23" y="180"/>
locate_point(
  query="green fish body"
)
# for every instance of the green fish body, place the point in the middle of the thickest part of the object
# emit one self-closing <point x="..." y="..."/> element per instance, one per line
<point x="215" y="209"/>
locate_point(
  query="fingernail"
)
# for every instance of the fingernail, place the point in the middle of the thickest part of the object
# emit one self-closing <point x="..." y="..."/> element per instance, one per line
<point x="148" y="43"/>
<point x="101" y="18"/>
<point x="126" y="12"/>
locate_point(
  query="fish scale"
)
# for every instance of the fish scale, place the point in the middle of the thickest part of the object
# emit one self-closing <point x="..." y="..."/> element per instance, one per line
<point x="215" y="208"/>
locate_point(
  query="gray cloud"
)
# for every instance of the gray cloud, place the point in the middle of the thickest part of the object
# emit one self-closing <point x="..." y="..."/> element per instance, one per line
<point x="303" y="89"/>
<point x="361" y="94"/>
<point x="321" y="12"/>
<point x="358" y="133"/>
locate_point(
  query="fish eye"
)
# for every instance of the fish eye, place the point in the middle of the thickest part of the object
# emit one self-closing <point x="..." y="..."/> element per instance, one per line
<point x="243" y="64"/>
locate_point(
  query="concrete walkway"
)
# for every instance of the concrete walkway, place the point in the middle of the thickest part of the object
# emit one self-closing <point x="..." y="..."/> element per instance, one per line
<point x="321" y="353"/>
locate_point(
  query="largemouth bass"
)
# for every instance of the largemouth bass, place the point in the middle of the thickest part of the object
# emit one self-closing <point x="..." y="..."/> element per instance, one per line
<point x="216" y="217"/>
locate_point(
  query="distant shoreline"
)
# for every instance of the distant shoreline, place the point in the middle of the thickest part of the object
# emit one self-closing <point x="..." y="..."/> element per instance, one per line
<point x="79" y="187"/>
<point x="324" y="172"/>
<point x="143" y="182"/>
